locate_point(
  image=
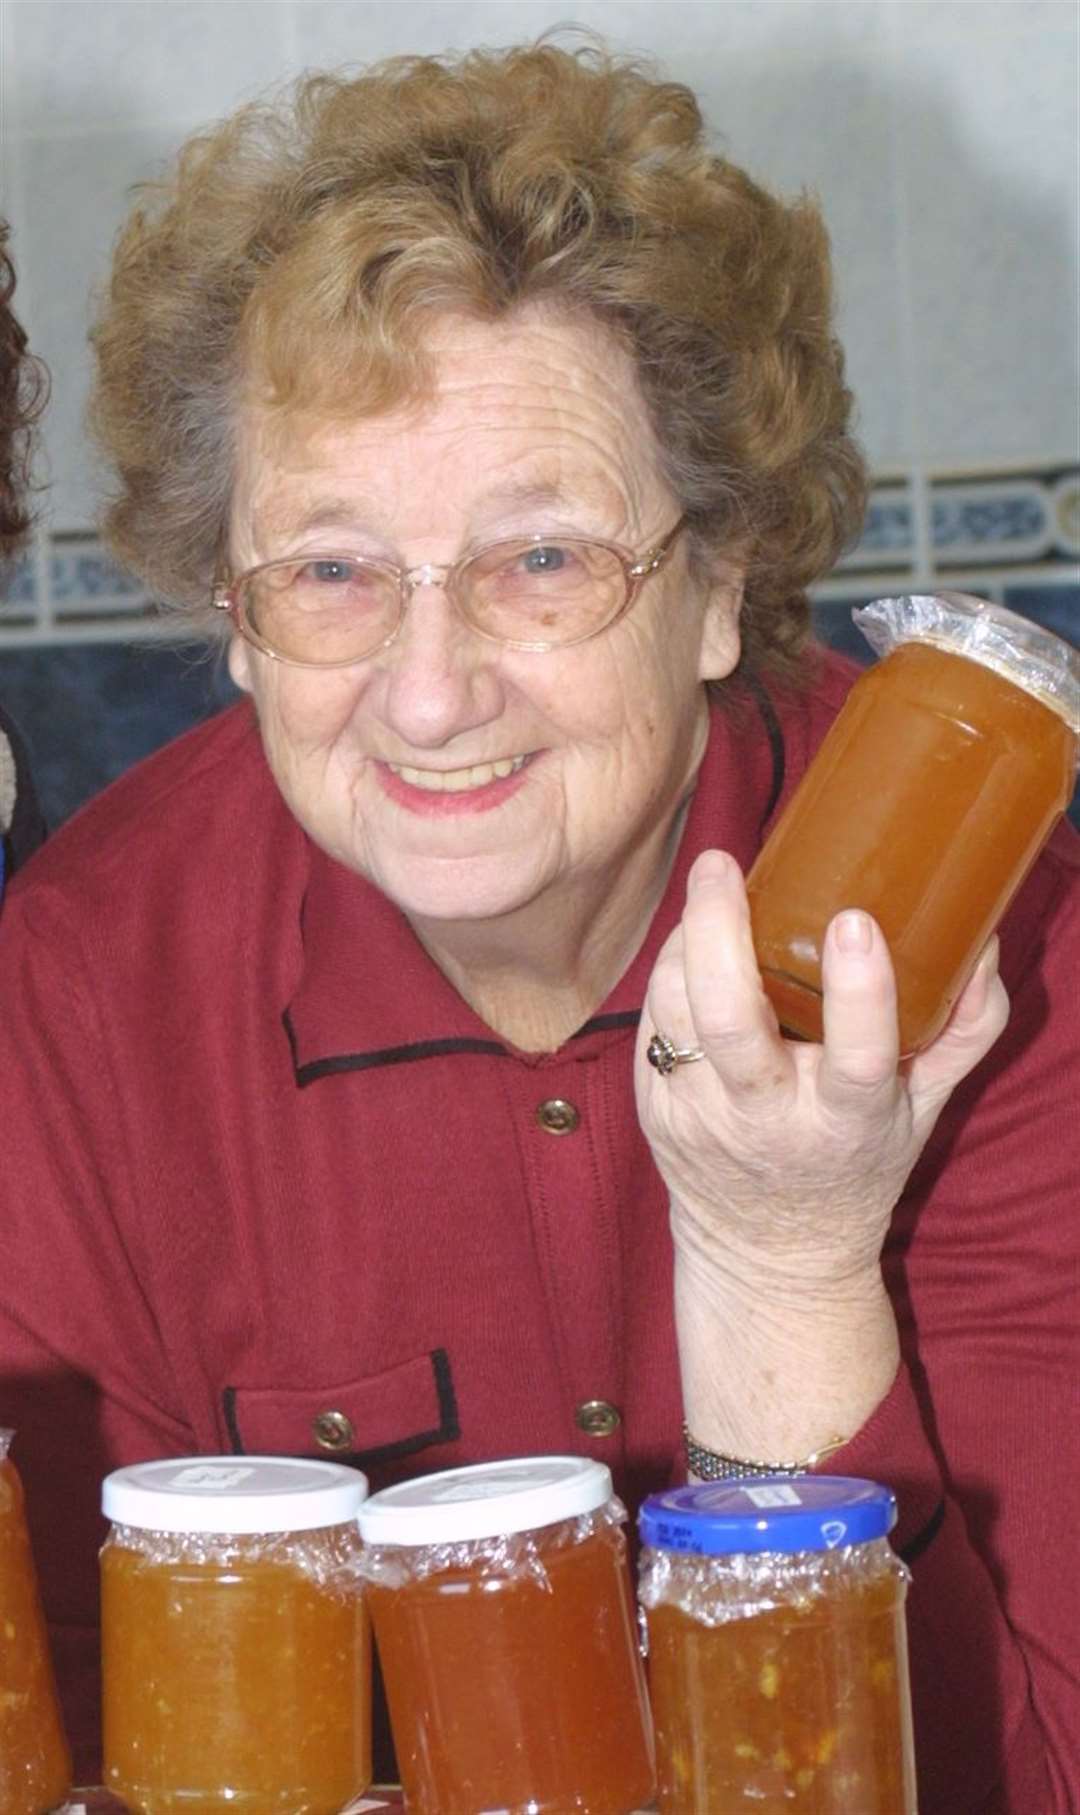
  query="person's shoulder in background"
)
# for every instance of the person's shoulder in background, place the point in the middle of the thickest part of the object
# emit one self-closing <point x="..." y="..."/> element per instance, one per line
<point x="22" y="825"/>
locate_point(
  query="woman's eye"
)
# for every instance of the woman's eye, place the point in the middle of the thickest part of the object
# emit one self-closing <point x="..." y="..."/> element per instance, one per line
<point x="332" y="572"/>
<point x="546" y="559"/>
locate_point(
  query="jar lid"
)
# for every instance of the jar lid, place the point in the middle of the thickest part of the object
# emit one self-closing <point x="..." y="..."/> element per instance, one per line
<point x="1017" y="648"/>
<point x="485" y="1501"/>
<point x="245" y="1494"/>
<point x="767" y="1512"/>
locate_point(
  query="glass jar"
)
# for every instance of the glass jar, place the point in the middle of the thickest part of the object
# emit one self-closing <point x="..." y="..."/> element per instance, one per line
<point x="503" y="1612"/>
<point x="236" y="1655"/>
<point x="941" y="779"/>
<point x="35" y="1765"/>
<point x="777" y="1648"/>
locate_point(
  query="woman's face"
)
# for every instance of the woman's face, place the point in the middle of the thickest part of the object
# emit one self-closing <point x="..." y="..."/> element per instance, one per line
<point x="537" y="424"/>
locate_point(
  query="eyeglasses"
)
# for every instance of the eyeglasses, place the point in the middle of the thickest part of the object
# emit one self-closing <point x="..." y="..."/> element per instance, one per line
<point x="533" y="592"/>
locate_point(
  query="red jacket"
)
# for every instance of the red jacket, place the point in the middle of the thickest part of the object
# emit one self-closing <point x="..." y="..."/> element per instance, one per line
<point x="262" y="1162"/>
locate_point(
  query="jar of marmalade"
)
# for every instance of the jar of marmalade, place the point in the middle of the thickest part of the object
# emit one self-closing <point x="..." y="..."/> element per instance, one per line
<point x="35" y="1765"/>
<point x="236" y="1657"/>
<point x="944" y="774"/>
<point x="777" y="1648"/>
<point x="503" y="1613"/>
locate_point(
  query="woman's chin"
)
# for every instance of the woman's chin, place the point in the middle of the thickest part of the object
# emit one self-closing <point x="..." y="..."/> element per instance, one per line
<point x="458" y="887"/>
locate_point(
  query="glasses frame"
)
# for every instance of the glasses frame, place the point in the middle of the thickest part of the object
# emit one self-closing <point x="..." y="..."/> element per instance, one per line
<point x="226" y="594"/>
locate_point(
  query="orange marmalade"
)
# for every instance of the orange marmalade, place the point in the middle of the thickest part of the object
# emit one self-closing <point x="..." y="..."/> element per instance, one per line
<point x="35" y="1766"/>
<point x="778" y="1677"/>
<point x="509" y="1650"/>
<point x="926" y="805"/>
<point x="236" y="1664"/>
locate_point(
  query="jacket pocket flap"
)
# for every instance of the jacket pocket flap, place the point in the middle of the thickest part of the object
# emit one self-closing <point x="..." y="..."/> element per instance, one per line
<point x="375" y="1419"/>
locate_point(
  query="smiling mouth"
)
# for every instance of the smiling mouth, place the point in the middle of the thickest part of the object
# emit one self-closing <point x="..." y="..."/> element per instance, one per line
<point x="458" y="781"/>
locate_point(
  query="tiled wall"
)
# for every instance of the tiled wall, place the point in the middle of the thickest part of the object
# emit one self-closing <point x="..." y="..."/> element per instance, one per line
<point x="942" y="139"/>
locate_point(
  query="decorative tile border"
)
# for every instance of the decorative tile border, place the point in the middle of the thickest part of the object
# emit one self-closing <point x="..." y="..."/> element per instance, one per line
<point x="71" y="579"/>
<point x="81" y="574"/>
<point x="888" y="538"/>
<point x="995" y="521"/>
<point x="974" y="519"/>
<point x="20" y="592"/>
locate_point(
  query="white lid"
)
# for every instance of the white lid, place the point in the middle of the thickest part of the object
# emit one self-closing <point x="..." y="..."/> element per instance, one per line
<point x="485" y="1501"/>
<point x="232" y="1494"/>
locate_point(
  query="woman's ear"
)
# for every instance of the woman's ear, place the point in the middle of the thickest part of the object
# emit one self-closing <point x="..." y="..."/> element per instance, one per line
<point x="721" y="642"/>
<point x="239" y="660"/>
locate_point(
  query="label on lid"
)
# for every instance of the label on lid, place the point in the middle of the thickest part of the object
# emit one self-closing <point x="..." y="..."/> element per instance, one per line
<point x="778" y="1493"/>
<point x="488" y="1500"/>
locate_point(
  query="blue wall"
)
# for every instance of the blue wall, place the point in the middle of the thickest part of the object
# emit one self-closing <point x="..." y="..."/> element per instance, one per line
<point x="87" y="711"/>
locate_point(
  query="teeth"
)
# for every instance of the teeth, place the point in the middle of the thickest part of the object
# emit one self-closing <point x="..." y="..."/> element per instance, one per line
<point x="455" y="781"/>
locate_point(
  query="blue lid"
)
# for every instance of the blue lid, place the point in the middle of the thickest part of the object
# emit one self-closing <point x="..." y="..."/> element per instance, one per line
<point x="767" y="1512"/>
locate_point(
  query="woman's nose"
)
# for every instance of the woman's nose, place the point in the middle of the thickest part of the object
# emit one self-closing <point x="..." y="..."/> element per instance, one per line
<point x="441" y="678"/>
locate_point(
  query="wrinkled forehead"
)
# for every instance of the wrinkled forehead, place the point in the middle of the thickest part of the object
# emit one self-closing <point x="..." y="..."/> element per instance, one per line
<point x="534" y="410"/>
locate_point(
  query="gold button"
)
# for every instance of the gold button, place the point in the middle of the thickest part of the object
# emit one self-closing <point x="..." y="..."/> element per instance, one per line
<point x="558" y="1116"/>
<point x="332" y="1430"/>
<point x="598" y="1417"/>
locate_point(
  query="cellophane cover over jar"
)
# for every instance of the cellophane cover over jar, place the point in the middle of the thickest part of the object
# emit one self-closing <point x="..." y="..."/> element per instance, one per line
<point x="1016" y="647"/>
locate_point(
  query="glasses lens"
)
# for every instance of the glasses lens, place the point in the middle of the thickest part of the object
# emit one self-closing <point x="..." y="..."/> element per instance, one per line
<point x="541" y="594"/>
<point x="325" y="610"/>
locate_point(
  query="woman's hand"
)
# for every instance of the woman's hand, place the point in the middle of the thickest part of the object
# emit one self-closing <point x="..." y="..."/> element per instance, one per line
<point x="784" y="1162"/>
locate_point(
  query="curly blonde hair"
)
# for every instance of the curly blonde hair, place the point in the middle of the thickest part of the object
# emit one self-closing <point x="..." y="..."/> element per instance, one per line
<point x="307" y="245"/>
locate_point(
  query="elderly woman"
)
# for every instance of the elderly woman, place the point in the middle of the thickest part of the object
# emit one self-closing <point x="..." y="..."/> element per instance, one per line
<point x="22" y="391"/>
<point x="500" y="426"/>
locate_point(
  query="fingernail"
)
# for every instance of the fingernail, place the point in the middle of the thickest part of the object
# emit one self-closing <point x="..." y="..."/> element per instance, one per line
<point x="854" y="932"/>
<point x="982" y="976"/>
<point x="990" y="956"/>
<point x="712" y="866"/>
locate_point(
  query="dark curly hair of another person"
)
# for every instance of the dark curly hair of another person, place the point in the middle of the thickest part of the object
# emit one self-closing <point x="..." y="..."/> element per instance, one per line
<point x="23" y="389"/>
